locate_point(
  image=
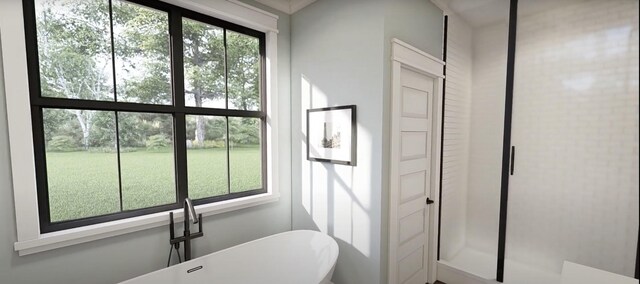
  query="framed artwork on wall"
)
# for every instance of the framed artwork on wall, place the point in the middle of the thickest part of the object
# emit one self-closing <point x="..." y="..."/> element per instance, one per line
<point x="331" y="135"/>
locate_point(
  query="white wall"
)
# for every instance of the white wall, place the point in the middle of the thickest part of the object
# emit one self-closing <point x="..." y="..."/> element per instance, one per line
<point x="118" y="258"/>
<point x="574" y="195"/>
<point x="457" y="129"/>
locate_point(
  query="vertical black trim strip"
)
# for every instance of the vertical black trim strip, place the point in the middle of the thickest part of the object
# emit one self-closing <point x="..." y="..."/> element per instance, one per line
<point x="262" y="42"/>
<point x="638" y="257"/>
<point x="444" y="93"/>
<point x="226" y="102"/>
<point x="180" y="140"/>
<point x="33" y="69"/>
<point x="113" y="52"/>
<point x="226" y="69"/>
<point x="118" y="158"/>
<point x="33" y="56"/>
<point x="228" y="159"/>
<point x="506" y="139"/>
<point x="42" y="186"/>
<point x="115" y="99"/>
<point x="180" y="127"/>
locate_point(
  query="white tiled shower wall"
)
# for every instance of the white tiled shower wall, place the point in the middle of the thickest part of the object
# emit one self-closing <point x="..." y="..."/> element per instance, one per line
<point x="456" y="139"/>
<point x="574" y="195"/>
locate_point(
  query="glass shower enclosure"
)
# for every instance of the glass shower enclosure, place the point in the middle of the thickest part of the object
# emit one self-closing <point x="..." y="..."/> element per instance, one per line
<point x="540" y="144"/>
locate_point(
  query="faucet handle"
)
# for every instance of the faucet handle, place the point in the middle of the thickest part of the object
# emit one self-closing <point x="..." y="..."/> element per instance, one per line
<point x="200" y="223"/>
<point x="189" y="210"/>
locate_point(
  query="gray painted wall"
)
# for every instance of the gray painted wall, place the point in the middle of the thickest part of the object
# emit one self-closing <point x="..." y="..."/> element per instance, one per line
<point x="341" y="56"/>
<point x="419" y="23"/>
<point x="336" y="48"/>
<point x="119" y="258"/>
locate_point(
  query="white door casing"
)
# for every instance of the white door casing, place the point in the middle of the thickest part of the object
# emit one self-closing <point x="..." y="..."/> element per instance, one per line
<point x="414" y="166"/>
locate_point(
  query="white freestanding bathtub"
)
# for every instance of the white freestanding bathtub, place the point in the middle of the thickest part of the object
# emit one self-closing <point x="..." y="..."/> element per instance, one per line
<point x="296" y="257"/>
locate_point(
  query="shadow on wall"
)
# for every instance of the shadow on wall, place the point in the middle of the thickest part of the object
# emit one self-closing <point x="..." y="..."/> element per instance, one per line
<point x="337" y="198"/>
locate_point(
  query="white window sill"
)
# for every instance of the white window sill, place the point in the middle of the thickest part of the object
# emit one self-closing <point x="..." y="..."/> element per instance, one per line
<point x="74" y="236"/>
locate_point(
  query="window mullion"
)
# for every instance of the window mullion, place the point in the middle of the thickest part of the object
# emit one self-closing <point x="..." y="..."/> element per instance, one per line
<point x="263" y="108"/>
<point x="177" y="76"/>
<point x="33" y="68"/>
<point x="113" y="52"/>
<point x="118" y="157"/>
<point x="41" y="166"/>
<point x="115" y="99"/>
<point x="228" y="159"/>
<point x="226" y="69"/>
<point x="226" y="95"/>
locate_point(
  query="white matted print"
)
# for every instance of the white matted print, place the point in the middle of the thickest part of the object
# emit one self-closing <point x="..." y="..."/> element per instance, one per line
<point x="331" y="135"/>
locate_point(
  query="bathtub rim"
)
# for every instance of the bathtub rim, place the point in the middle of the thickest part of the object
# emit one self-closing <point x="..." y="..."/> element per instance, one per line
<point x="327" y="274"/>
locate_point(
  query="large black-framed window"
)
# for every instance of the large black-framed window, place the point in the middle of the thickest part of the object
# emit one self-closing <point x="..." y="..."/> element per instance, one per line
<point x="137" y="105"/>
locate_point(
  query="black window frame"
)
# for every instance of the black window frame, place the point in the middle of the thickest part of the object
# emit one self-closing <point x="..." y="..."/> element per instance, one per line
<point x="178" y="110"/>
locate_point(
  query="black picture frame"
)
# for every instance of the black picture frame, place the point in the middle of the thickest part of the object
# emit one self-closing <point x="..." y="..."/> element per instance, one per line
<point x="347" y="155"/>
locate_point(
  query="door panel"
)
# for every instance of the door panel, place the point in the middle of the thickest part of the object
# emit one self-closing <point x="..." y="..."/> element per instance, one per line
<point x="413" y="145"/>
<point x="416" y="80"/>
<point x="410" y="266"/>
<point x="413" y="175"/>
<point x="411" y="186"/>
<point x="414" y="102"/>
<point x="411" y="226"/>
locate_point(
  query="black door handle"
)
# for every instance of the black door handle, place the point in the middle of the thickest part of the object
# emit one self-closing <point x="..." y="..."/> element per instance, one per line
<point x="429" y="201"/>
<point x="513" y="158"/>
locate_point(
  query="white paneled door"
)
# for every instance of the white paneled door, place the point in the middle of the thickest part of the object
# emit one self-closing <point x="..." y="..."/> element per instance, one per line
<point x="416" y="85"/>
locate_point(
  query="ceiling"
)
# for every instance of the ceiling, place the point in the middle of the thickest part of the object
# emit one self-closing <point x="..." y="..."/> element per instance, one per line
<point x="479" y="13"/>
<point x="476" y="13"/>
<point x="287" y="6"/>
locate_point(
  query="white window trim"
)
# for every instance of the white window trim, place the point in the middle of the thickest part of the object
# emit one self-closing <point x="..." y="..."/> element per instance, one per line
<point x="14" y="59"/>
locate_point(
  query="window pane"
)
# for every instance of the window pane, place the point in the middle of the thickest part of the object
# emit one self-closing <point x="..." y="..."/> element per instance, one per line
<point x="243" y="58"/>
<point x="143" y="61"/>
<point x="203" y="64"/>
<point x="146" y="159"/>
<point x="206" y="156"/>
<point x="245" y="157"/>
<point x="74" y="48"/>
<point x="82" y="163"/>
